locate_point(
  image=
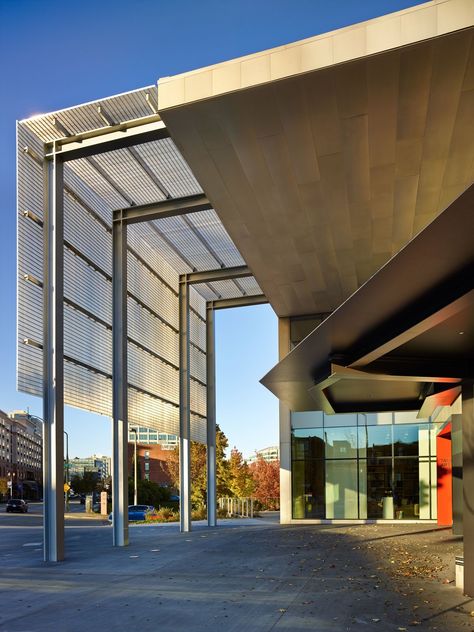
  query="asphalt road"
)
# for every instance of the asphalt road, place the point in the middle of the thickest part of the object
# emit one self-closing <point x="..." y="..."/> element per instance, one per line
<point x="34" y="516"/>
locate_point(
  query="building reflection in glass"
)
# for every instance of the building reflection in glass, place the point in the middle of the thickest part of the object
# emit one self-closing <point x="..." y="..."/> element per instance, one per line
<point x="363" y="470"/>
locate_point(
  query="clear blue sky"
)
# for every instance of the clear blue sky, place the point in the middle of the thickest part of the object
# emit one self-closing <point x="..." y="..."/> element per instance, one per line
<point x="55" y="54"/>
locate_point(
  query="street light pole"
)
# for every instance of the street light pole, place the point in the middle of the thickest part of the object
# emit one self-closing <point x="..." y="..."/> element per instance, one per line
<point x="66" y="469"/>
<point x="135" y="490"/>
<point x="66" y="474"/>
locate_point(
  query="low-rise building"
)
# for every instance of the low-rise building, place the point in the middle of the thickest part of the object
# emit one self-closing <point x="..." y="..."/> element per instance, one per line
<point x="152" y="463"/>
<point x="21" y="447"/>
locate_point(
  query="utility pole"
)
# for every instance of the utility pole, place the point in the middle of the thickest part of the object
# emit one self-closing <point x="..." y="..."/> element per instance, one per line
<point x="135" y="489"/>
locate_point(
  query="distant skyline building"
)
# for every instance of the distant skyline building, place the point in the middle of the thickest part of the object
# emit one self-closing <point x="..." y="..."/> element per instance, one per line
<point x="148" y="436"/>
<point x="101" y="465"/>
<point x="269" y="454"/>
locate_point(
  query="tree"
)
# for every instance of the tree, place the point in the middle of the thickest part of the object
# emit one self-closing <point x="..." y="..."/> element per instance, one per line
<point x="266" y="476"/>
<point x="3" y="486"/>
<point x="199" y="469"/>
<point x="241" y="482"/>
<point x="148" y="492"/>
<point x="87" y="483"/>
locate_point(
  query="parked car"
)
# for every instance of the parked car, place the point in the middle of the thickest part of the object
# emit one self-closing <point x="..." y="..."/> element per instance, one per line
<point x="137" y="512"/>
<point x="16" y="505"/>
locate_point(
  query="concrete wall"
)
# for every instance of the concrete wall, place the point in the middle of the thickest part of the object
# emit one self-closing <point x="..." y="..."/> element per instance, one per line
<point x="285" y="431"/>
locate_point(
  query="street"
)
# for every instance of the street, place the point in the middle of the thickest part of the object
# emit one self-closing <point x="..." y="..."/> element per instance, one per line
<point x="34" y="516"/>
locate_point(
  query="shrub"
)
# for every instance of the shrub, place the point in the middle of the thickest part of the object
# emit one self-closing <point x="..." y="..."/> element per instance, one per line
<point x="163" y="515"/>
<point x="199" y="514"/>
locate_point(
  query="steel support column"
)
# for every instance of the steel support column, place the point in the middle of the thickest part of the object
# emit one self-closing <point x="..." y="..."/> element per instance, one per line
<point x="53" y="363"/>
<point x="119" y="385"/>
<point x="211" y="417"/>
<point x="184" y="409"/>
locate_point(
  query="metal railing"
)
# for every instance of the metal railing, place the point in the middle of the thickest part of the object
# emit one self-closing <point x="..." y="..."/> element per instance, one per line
<point x="236" y="507"/>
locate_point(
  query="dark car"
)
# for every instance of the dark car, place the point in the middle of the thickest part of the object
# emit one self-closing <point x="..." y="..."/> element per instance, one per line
<point x="17" y="505"/>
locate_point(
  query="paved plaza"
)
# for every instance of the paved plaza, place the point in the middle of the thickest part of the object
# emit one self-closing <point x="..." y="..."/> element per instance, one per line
<point x="243" y="575"/>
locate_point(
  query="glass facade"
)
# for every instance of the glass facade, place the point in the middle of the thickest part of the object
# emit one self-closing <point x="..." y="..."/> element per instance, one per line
<point x="363" y="466"/>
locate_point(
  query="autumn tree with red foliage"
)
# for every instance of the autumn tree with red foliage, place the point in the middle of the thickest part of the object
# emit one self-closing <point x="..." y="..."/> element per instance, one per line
<point x="266" y="476"/>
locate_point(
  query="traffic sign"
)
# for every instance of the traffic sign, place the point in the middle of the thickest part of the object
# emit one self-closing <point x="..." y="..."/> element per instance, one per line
<point x="66" y="487"/>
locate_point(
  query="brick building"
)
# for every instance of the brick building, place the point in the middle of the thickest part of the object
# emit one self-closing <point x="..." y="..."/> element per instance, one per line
<point x="151" y="461"/>
<point x="20" y="455"/>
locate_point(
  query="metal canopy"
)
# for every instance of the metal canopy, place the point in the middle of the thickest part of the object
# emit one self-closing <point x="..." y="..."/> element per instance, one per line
<point x="323" y="158"/>
<point x="404" y="340"/>
<point x="119" y="163"/>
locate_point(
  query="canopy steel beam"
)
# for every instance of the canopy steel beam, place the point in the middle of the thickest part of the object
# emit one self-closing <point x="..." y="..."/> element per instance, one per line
<point x="221" y="274"/>
<point x="160" y="210"/>
<point x="240" y="301"/>
<point x="53" y="362"/>
<point x="110" y="138"/>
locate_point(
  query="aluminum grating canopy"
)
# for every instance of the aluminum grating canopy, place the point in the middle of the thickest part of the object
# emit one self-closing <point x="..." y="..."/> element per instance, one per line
<point x="158" y="252"/>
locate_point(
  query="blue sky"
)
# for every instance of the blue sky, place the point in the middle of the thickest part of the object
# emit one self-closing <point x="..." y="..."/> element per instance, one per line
<point x="57" y="53"/>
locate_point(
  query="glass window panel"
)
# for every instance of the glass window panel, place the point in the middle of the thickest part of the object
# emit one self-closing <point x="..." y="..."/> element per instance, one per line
<point x="379" y="489"/>
<point x="434" y="491"/>
<point x="406" y="488"/>
<point x="309" y="419"/>
<point x="408" y="417"/>
<point x="362" y="432"/>
<point x="308" y="489"/>
<point x="341" y="443"/>
<point x="308" y="443"/>
<point x="424" y="490"/>
<point x="435" y="429"/>
<point x="379" y="441"/>
<point x="405" y="440"/>
<point x="341" y="489"/>
<point x="363" y="489"/>
<point x="424" y="440"/>
<point x="330" y="421"/>
<point x="375" y="419"/>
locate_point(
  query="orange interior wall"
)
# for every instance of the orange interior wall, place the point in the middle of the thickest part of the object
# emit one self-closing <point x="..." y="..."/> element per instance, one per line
<point x="444" y="477"/>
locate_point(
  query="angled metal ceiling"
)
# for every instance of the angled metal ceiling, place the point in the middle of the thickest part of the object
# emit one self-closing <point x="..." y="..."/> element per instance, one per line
<point x="321" y="165"/>
<point x="404" y="340"/>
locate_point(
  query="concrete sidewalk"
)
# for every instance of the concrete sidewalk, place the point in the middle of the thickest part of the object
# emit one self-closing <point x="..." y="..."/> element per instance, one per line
<point x="251" y="575"/>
